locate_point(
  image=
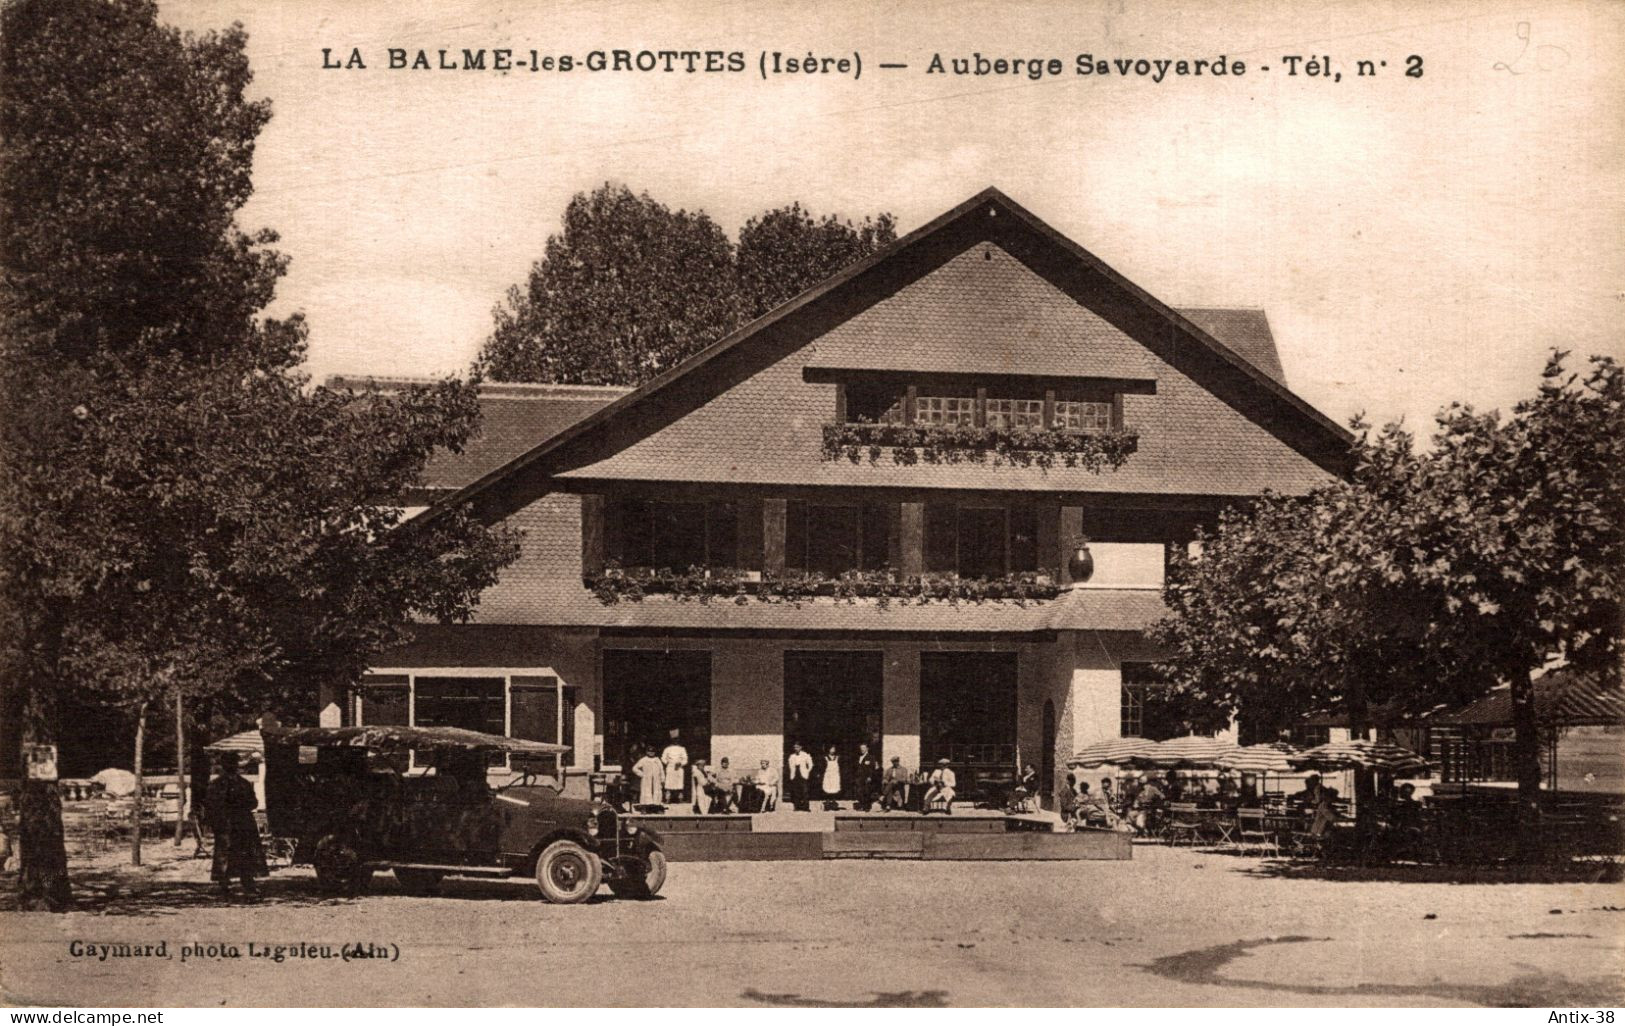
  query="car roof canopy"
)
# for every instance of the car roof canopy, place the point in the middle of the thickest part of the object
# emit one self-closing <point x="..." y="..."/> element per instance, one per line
<point x="391" y="738"/>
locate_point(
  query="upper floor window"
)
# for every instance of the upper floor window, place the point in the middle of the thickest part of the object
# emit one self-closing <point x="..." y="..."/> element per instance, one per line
<point x="678" y="535"/>
<point x="834" y="539"/>
<point x="1083" y="417"/>
<point x="1015" y="414"/>
<point x="980" y="541"/>
<point x="950" y="409"/>
<point x="1000" y="405"/>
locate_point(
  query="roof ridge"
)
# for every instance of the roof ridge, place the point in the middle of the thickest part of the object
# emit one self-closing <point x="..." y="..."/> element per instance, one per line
<point x="500" y="389"/>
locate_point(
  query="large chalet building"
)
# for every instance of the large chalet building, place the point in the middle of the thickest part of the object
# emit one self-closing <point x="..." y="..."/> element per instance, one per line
<point x="926" y="504"/>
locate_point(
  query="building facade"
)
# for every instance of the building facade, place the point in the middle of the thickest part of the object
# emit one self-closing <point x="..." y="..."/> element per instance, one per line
<point x="925" y="505"/>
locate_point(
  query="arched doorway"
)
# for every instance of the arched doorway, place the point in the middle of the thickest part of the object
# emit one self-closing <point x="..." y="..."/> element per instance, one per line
<point x="1046" y="757"/>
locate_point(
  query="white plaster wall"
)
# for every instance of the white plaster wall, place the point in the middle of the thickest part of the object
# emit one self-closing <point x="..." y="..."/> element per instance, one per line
<point x="747" y="706"/>
<point x="900" y="706"/>
<point x="1126" y="565"/>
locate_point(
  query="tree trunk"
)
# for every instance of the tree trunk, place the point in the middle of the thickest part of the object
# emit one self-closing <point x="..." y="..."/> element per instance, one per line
<point x="180" y="768"/>
<point x="1526" y="763"/>
<point x="42" y="871"/>
<point x="197" y="769"/>
<point x="1365" y="783"/>
<point x="140" y="786"/>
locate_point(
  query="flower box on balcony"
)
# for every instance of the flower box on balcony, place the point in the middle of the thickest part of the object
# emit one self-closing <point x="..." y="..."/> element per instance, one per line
<point x="885" y="586"/>
<point x="964" y="443"/>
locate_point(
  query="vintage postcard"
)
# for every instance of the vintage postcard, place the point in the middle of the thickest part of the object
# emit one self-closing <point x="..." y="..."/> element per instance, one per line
<point x="775" y="505"/>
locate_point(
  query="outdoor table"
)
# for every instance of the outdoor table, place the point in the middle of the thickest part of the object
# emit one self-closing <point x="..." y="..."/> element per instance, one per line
<point x="1288" y="825"/>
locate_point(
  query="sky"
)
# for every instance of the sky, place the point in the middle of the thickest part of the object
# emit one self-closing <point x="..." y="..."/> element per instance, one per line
<point x="1413" y="240"/>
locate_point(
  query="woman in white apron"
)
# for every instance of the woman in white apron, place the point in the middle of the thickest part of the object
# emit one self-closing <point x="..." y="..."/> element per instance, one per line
<point x="831" y="784"/>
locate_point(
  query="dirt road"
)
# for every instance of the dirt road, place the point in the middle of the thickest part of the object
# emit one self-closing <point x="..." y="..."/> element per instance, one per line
<point x="1168" y="928"/>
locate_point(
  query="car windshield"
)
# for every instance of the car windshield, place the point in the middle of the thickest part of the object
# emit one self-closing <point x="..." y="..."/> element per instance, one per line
<point x="530" y="778"/>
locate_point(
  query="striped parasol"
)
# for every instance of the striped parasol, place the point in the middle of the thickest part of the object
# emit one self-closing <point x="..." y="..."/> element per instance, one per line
<point x="1119" y="751"/>
<point x="1191" y="751"/>
<point x="1265" y="758"/>
<point x="1360" y="754"/>
<point x="247" y="741"/>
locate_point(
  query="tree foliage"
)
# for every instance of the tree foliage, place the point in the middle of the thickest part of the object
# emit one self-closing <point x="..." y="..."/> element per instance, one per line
<point x="783" y="252"/>
<point x="630" y="288"/>
<point x="1427" y="577"/>
<point x="179" y="510"/>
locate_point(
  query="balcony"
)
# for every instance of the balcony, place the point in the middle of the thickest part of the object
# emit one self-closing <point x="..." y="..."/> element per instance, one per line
<point x="884" y="586"/>
<point x="933" y="444"/>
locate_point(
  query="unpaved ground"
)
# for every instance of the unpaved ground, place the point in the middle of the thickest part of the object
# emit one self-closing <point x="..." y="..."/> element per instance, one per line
<point x="1168" y="928"/>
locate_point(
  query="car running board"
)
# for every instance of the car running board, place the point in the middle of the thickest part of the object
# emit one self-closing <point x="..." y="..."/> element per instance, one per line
<point x="459" y="870"/>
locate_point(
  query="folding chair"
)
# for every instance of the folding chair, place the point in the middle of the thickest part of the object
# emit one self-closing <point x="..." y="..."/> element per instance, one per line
<point x="1183" y="824"/>
<point x="1254" y="832"/>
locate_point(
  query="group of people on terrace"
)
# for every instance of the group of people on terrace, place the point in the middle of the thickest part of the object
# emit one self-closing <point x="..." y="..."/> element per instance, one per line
<point x="668" y="779"/>
<point x="1141" y="802"/>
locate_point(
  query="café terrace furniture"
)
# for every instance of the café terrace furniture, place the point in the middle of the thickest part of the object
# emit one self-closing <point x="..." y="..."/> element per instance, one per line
<point x="1218" y="824"/>
<point x="1184" y="824"/>
<point x="1253" y="832"/>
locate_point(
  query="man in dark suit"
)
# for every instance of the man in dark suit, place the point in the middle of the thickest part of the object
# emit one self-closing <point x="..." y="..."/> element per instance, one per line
<point x="865" y="775"/>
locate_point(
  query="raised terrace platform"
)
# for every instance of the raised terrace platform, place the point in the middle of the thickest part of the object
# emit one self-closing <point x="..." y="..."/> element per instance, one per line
<point x="971" y="835"/>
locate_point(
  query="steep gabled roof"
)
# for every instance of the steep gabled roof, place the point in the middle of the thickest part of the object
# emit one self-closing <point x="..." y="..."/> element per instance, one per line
<point x="1244" y="332"/>
<point x="988" y="216"/>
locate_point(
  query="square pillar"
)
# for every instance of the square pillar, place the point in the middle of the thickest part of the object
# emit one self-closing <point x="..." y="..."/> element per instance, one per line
<point x="773" y="516"/>
<point x="747" y="706"/>
<point x="900" y="707"/>
<point x="911" y="544"/>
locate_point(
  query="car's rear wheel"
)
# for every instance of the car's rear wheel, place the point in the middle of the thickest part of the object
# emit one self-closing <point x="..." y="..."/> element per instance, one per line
<point x="645" y="886"/>
<point x="418" y="882"/>
<point x="339" y="868"/>
<point x="567" y="873"/>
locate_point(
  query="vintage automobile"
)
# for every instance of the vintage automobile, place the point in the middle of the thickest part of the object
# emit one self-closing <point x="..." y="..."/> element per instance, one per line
<point x="346" y="797"/>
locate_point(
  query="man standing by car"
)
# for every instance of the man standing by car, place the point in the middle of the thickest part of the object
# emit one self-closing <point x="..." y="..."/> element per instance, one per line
<point x="237" y="852"/>
<point x="650" y="774"/>
<point x="675" y="760"/>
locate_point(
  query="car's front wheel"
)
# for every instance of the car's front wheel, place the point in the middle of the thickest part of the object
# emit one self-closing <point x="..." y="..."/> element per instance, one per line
<point x="567" y="873"/>
<point x="645" y="886"/>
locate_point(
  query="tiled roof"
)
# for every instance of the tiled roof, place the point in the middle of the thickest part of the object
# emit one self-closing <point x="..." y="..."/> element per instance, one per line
<point x="981" y="310"/>
<point x="988" y="313"/>
<point x="1244" y="332"/>
<point x="512" y="425"/>
<point x="514" y="419"/>
<point x="741" y="410"/>
<point x="1562" y="698"/>
<point x="518" y="417"/>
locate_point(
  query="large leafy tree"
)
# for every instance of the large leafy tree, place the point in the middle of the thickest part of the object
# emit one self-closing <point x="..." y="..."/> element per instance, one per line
<point x="624" y="292"/>
<point x="1517" y="530"/>
<point x="1295" y="604"/>
<point x="785" y="251"/>
<point x="179" y="511"/>
<point x="630" y="287"/>
<point x="1429" y="576"/>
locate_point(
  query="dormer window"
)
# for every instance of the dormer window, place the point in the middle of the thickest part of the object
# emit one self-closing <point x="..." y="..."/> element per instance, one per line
<point x="1083" y="417"/>
<point x="945" y="410"/>
<point x="1016" y="414"/>
<point x="1022" y="420"/>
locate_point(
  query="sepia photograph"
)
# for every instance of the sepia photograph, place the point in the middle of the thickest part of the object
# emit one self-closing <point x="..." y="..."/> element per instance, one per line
<point x="765" y="505"/>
